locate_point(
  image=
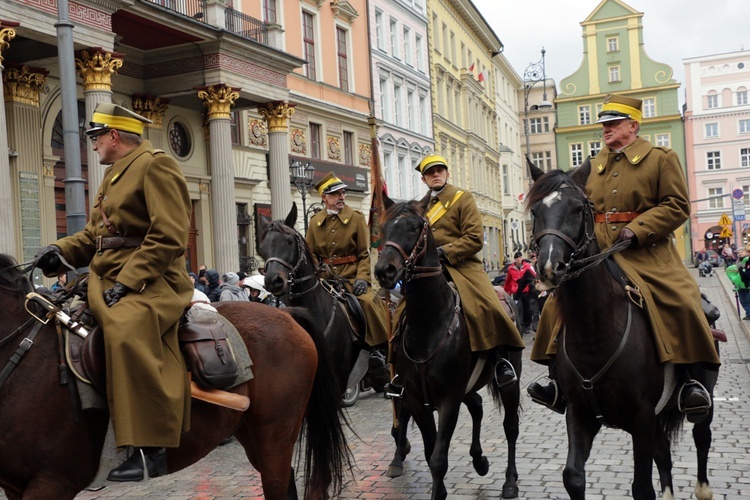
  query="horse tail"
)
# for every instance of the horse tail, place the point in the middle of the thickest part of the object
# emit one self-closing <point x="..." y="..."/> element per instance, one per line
<point x="671" y="421"/>
<point x="327" y="454"/>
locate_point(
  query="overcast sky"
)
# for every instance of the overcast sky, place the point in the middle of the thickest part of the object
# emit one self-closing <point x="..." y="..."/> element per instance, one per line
<point x="672" y="31"/>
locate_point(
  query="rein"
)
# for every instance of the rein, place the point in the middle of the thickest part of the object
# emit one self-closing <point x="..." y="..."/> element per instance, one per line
<point x="411" y="270"/>
<point x="294" y="269"/>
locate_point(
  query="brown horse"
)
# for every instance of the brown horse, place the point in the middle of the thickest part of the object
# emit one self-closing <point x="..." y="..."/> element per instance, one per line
<point x="51" y="449"/>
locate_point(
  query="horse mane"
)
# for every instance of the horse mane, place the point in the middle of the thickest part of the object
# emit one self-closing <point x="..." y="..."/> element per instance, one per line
<point x="281" y="227"/>
<point x="10" y="277"/>
<point x="413" y="207"/>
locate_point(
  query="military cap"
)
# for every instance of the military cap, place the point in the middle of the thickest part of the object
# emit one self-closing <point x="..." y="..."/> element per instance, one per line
<point x="330" y="184"/>
<point x="618" y="107"/>
<point x="108" y="116"/>
<point x="431" y="161"/>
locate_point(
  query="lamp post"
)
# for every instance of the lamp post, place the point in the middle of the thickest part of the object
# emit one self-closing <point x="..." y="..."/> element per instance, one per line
<point x="302" y="177"/>
<point x="534" y="74"/>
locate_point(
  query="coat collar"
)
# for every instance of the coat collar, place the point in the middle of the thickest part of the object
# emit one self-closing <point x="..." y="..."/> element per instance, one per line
<point x="635" y="153"/>
<point x="345" y="215"/>
<point x="445" y="196"/>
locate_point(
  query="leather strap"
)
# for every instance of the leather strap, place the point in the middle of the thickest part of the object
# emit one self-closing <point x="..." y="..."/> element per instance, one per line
<point x="112" y="229"/>
<point x="616" y="217"/>
<point x="340" y="261"/>
<point x="108" y="243"/>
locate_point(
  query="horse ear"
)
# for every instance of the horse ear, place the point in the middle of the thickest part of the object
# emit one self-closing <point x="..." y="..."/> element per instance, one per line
<point x="291" y="218"/>
<point x="387" y="202"/>
<point x="534" y="171"/>
<point x="581" y="174"/>
<point x="263" y="223"/>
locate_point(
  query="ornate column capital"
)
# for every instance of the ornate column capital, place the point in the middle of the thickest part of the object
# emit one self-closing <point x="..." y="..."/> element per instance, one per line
<point x="276" y="115"/>
<point x="95" y="66"/>
<point x="23" y="84"/>
<point x="7" y="33"/>
<point x="150" y="107"/>
<point x="219" y="100"/>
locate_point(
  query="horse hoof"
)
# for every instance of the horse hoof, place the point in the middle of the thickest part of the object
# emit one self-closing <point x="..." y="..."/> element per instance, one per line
<point x="482" y="466"/>
<point x="394" y="471"/>
<point x="510" y="490"/>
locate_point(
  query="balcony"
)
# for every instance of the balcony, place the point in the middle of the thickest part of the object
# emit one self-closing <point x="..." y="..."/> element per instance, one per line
<point x="245" y="26"/>
<point x="190" y="8"/>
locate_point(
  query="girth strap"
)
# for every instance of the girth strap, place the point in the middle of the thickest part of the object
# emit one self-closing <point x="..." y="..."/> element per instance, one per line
<point x="23" y="348"/>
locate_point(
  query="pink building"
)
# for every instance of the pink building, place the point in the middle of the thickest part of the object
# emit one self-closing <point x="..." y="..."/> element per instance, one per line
<point x="717" y="137"/>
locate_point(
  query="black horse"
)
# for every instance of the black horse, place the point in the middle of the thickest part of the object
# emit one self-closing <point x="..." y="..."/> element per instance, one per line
<point x="607" y="362"/>
<point x="433" y="359"/>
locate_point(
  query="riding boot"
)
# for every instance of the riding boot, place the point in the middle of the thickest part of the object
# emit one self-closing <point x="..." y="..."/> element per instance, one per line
<point x="151" y="460"/>
<point x="694" y="399"/>
<point x="505" y="374"/>
<point x="548" y="395"/>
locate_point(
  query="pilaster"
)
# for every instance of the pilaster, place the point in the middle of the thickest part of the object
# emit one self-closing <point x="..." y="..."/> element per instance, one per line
<point x="219" y="100"/>
<point x="8" y="236"/>
<point x="277" y="116"/>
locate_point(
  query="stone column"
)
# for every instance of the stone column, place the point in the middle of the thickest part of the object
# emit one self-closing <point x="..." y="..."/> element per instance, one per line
<point x="152" y="108"/>
<point x="95" y="66"/>
<point x="277" y="115"/>
<point x="21" y="87"/>
<point x="219" y="99"/>
<point x="8" y="237"/>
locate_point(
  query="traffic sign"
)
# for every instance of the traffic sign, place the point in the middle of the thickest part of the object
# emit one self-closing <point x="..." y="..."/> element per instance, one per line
<point x="738" y="209"/>
<point x="726" y="233"/>
<point x="738" y="194"/>
<point x="724" y="221"/>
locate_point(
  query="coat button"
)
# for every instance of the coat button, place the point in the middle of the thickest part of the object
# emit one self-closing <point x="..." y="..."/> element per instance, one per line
<point x="617" y="158"/>
<point x="613" y="209"/>
<point x="614" y="191"/>
<point x="101" y="224"/>
<point x="614" y="228"/>
<point x="616" y="174"/>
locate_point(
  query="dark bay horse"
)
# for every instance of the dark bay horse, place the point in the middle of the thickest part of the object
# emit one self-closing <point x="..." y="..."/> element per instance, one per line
<point x="51" y="449"/>
<point x="607" y="363"/>
<point x="434" y="360"/>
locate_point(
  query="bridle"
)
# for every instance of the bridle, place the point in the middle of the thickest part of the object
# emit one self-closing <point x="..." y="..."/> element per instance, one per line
<point x="294" y="270"/>
<point x="411" y="270"/>
<point x="575" y="266"/>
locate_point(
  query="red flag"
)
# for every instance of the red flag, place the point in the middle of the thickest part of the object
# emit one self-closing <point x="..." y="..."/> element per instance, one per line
<point x="481" y="76"/>
<point x="377" y="188"/>
<point x="521" y="196"/>
<point x="471" y="68"/>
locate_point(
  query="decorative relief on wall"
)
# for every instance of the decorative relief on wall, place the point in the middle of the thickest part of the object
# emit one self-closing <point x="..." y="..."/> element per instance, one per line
<point x="298" y="144"/>
<point x="334" y="148"/>
<point x="258" y="133"/>
<point x="365" y="154"/>
<point x="300" y="116"/>
<point x="332" y="126"/>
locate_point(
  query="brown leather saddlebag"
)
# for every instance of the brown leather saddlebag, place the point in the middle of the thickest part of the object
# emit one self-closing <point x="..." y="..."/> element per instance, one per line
<point x="207" y="354"/>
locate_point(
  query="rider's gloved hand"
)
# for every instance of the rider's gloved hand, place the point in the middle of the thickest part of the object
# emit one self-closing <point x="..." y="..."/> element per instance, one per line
<point x="359" y="287"/>
<point x="441" y="255"/>
<point x="113" y="295"/>
<point x="627" y="235"/>
<point x="48" y="259"/>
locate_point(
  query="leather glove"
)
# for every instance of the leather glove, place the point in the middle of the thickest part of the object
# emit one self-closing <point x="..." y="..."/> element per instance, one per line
<point x="441" y="255"/>
<point x="48" y="259"/>
<point x="359" y="287"/>
<point x="113" y="295"/>
<point x="627" y="235"/>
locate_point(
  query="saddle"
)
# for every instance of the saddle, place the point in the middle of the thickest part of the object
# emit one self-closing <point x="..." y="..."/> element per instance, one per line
<point x="350" y="306"/>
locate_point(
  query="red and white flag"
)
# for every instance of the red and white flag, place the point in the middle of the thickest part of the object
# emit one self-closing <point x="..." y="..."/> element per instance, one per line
<point x="471" y="68"/>
<point x="521" y="196"/>
<point x="481" y="76"/>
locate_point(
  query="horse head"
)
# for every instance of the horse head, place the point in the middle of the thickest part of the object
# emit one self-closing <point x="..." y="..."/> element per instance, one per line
<point x="407" y="243"/>
<point x="563" y="224"/>
<point x="285" y="253"/>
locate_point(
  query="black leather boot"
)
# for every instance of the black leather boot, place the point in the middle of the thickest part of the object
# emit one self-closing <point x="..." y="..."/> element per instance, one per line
<point x="548" y="395"/>
<point x="504" y="373"/>
<point x="152" y="460"/>
<point x="694" y="401"/>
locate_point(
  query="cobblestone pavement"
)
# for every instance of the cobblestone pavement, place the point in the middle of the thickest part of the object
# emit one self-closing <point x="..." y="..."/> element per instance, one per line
<point x="542" y="446"/>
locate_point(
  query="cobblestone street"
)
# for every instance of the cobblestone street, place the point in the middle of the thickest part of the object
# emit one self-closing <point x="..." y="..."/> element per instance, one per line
<point x="542" y="446"/>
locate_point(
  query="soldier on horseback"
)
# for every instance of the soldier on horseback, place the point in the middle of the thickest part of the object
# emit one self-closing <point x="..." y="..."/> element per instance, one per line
<point x="639" y="195"/>
<point x="338" y="237"/>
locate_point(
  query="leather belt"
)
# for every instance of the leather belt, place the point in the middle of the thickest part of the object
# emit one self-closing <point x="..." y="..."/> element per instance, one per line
<point x="110" y="242"/>
<point x="616" y="217"/>
<point x="340" y="261"/>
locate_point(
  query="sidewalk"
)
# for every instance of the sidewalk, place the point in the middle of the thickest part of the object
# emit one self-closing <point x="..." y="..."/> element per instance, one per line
<point x="743" y="348"/>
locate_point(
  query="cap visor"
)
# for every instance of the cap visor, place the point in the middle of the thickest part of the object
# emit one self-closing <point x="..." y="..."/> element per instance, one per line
<point x="95" y="130"/>
<point x="333" y="189"/>
<point x="610" y="118"/>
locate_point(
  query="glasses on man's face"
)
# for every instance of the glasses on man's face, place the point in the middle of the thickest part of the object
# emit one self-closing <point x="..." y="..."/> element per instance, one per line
<point x="93" y="138"/>
<point x="338" y="194"/>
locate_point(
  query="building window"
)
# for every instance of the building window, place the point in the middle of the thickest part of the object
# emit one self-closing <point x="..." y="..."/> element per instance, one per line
<point x="712" y="130"/>
<point x="407" y="46"/>
<point x="649" y="107"/>
<point x="410" y="108"/>
<point x="542" y="159"/>
<point x="418" y="50"/>
<point x="744" y="126"/>
<point x="315" y="140"/>
<point x="744" y="157"/>
<point x="343" y="59"/>
<point x="584" y="115"/>
<point x="741" y="97"/>
<point x="397" y="104"/>
<point x="716" y="197"/>
<point x="613" y="44"/>
<point x="506" y="181"/>
<point x="535" y="126"/>
<point x="269" y="11"/>
<point x="379" y="35"/>
<point x="349" y="148"/>
<point x="394" y="39"/>
<point x="179" y="140"/>
<point x="712" y="101"/>
<point x="384" y="110"/>
<point x="746" y="195"/>
<point x="308" y="40"/>
<point x="594" y="148"/>
<point x="422" y="115"/>
<point x="435" y="31"/>
<point x="713" y="160"/>
<point x="576" y="155"/>
<point x="614" y="74"/>
<point x="663" y="140"/>
<point x="234" y="129"/>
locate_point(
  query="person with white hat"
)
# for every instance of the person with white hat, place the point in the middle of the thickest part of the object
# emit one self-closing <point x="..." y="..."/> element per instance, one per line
<point x="134" y="246"/>
<point x="231" y="288"/>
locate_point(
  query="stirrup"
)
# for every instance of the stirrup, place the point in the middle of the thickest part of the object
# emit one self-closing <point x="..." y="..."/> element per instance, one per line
<point x="393" y="390"/>
<point x="694" y="414"/>
<point x="509" y="382"/>
<point x="557" y="405"/>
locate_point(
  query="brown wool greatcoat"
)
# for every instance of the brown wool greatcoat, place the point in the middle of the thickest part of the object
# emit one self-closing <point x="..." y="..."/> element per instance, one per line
<point x="647" y="179"/>
<point x="460" y="232"/>
<point x="346" y="235"/>
<point x="145" y="196"/>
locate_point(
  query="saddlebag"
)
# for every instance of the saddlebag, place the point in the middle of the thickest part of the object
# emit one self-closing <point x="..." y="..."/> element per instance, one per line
<point x="207" y="353"/>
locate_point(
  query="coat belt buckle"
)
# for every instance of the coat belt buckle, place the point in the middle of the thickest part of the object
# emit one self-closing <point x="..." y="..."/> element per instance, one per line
<point x="99" y="242"/>
<point x="606" y="216"/>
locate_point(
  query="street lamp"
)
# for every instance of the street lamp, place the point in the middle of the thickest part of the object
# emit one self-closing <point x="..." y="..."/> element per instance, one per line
<point x="534" y="74"/>
<point x="302" y="177"/>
